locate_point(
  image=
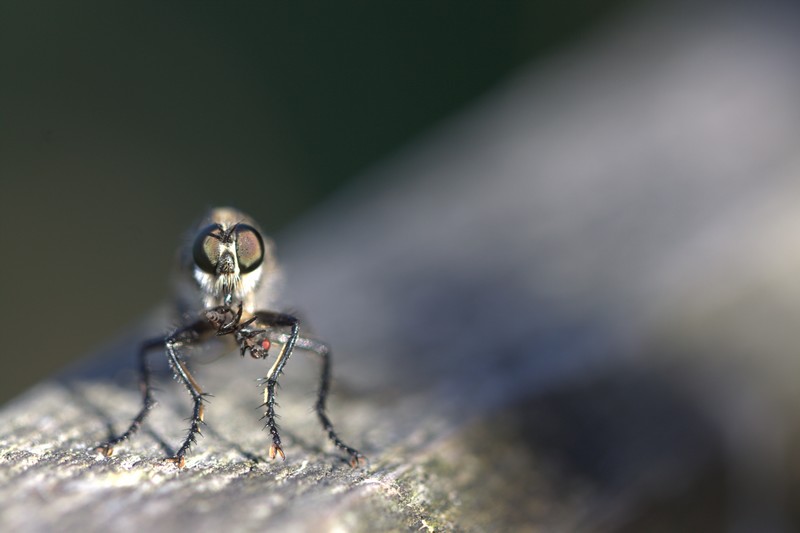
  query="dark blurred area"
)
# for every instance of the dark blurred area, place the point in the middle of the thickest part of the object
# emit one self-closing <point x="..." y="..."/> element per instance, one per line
<point x="120" y="125"/>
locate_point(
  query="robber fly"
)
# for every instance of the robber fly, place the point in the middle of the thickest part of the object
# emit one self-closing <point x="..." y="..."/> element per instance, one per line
<point x="226" y="269"/>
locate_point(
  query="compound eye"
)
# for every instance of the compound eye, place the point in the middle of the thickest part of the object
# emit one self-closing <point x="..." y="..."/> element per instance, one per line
<point x="206" y="249"/>
<point x="249" y="248"/>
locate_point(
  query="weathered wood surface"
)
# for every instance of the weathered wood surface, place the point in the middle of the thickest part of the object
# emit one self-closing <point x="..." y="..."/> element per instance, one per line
<point x="573" y="308"/>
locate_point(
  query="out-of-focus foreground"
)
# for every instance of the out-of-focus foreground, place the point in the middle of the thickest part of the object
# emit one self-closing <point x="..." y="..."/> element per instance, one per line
<point x="572" y="308"/>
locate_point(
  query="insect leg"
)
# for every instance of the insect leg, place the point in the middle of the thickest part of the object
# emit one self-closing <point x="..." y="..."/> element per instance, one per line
<point x="148" y="402"/>
<point x="198" y="396"/>
<point x="270" y="318"/>
<point x="324" y="352"/>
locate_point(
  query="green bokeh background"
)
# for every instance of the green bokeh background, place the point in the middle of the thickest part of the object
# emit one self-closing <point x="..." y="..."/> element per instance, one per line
<point x="120" y="124"/>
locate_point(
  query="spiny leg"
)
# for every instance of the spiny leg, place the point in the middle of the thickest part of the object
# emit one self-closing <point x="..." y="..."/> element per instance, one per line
<point x="148" y="402"/>
<point x="324" y="352"/>
<point x="198" y="396"/>
<point x="269" y="318"/>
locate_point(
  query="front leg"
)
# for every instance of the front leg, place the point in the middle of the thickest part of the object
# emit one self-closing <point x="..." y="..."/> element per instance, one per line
<point x="229" y="322"/>
<point x="273" y="319"/>
<point x="181" y="371"/>
<point x="324" y="353"/>
<point x="171" y="343"/>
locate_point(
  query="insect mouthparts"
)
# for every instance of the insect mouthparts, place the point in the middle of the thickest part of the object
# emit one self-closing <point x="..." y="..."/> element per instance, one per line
<point x="226" y="264"/>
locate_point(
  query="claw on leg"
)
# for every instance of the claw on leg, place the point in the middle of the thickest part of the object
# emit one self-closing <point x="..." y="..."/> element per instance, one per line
<point x="180" y="461"/>
<point x="105" y="450"/>
<point x="276" y="450"/>
<point x="357" y="460"/>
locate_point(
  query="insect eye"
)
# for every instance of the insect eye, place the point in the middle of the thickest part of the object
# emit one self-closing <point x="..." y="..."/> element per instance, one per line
<point x="249" y="248"/>
<point x="206" y="250"/>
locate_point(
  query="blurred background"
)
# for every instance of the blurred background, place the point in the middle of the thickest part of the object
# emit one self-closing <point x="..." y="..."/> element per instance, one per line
<point x="119" y="126"/>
